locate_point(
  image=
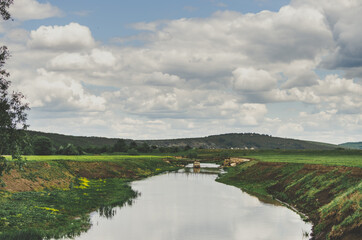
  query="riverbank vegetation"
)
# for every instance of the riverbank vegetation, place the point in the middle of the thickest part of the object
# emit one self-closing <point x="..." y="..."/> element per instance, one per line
<point x="329" y="195"/>
<point x="40" y="199"/>
<point x="335" y="157"/>
<point x="53" y="198"/>
<point x="58" y="213"/>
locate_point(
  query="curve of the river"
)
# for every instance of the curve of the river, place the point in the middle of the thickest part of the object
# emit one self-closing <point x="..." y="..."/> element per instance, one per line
<point x="185" y="205"/>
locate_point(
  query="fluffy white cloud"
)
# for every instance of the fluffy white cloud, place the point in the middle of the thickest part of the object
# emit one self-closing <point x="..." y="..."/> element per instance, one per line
<point x="343" y="18"/>
<point x="70" y="61"/>
<point x="253" y="80"/>
<point x="252" y="114"/>
<point x="201" y="76"/>
<point x="55" y="92"/>
<point x="31" y="9"/>
<point x="70" y="37"/>
<point x="289" y="128"/>
<point x="97" y="58"/>
<point x="300" y="74"/>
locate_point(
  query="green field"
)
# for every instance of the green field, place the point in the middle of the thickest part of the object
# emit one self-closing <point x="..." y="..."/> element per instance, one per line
<point x="350" y="158"/>
<point x="87" y="158"/>
<point x="325" y="158"/>
<point x="60" y="181"/>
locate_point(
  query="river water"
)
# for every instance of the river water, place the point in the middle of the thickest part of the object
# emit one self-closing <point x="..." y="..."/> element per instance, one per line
<point x="188" y="205"/>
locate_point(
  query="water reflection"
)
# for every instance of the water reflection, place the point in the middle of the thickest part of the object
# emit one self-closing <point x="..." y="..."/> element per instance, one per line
<point x="110" y="211"/>
<point x="192" y="206"/>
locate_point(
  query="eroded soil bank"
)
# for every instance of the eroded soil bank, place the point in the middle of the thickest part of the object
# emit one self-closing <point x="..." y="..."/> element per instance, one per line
<point x="59" y="174"/>
<point x="53" y="199"/>
<point x="329" y="195"/>
<point x="52" y="195"/>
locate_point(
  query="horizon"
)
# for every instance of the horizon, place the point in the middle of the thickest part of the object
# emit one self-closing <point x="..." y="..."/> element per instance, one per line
<point x="161" y="139"/>
<point x="164" y="70"/>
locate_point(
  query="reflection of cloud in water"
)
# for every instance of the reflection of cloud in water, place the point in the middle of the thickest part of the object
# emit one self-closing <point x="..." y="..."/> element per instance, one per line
<point x="194" y="207"/>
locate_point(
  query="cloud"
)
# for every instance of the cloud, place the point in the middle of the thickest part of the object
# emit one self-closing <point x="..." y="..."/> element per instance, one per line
<point x="96" y="59"/>
<point x="289" y="128"/>
<point x="252" y="80"/>
<point x="53" y="92"/>
<point x="300" y="74"/>
<point x="70" y="37"/>
<point x="228" y="72"/>
<point x="31" y="9"/>
<point x="252" y="114"/>
<point x="342" y="18"/>
<point x="83" y="13"/>
<point x="17" y="35"/>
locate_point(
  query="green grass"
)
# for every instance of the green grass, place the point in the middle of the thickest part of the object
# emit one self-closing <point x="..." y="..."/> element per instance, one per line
<point x="331" y="197"/>
<point x="58" y="213"/>
<point x="63" y="210"/>
<point x="335" y="158"/>
<point x="89" y="158"/>
<point x="350" y="158"/>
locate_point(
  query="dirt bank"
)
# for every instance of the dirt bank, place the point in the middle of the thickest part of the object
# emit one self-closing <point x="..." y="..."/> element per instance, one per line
<point x="37" y="176"/>
<point x="53" y="199"/>
<point x="329" y="195"/>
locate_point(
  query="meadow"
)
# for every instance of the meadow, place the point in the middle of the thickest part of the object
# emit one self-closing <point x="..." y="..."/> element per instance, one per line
<point x="90" y="158"/>
<point x="338" y="157"/>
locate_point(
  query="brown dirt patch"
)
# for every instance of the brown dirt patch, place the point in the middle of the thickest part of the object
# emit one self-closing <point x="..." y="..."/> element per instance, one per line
<point x="35" y="180"/>
<point x="97" y="170"/>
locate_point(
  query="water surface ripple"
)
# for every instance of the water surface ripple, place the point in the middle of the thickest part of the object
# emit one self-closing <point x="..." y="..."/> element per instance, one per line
<point x="192" y="206"/>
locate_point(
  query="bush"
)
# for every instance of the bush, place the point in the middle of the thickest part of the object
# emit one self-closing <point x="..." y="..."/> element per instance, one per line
<point x="43" y="146"/>
<point x="191" y="154"/>
<point x="132" y="151"/>
<point x="70" y="149"/>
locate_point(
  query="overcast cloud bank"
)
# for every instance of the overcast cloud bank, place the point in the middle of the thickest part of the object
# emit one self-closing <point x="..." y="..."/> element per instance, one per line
<point x="294" y="73"/>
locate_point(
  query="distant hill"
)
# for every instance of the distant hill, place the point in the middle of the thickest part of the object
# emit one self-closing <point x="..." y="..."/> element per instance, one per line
<point x="242" y="141"/>
<point x="63" y="140"/>
<point x="353" y="145"/>
<point x="231" y="140"/>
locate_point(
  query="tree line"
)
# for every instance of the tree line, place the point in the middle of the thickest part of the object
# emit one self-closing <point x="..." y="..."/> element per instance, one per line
<point x="41" y="145"/>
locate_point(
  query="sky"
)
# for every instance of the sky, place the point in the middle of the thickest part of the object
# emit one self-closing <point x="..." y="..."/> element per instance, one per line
<point x="170" y="69"/>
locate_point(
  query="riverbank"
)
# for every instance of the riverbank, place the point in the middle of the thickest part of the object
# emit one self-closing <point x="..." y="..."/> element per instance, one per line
<point x="329" y="195"/>
<point x="52" y="199"/>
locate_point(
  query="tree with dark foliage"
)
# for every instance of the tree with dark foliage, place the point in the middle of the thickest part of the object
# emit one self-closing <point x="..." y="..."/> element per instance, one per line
<point x="12" y="110"/>
<point x="4" y="5"/>
<point x="120" y="146"/>
<point x="43" y="146"/>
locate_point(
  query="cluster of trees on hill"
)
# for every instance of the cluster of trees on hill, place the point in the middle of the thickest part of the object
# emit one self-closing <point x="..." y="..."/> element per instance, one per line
<point x="41" y="145"/>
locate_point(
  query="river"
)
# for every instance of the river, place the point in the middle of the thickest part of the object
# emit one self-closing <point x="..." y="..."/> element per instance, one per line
<point x="185" y="205"/>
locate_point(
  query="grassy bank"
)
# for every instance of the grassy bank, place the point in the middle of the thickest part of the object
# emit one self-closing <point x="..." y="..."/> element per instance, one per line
<point x="337" y="157"/>
<point x="51" y="199"/>
<point x="97" y="158"/>
<point x="329" y="195"/>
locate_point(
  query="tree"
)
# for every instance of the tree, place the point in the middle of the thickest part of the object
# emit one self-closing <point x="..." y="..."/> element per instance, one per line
<point x="224" y="155"/>
<point x="43" y="146"/>
<point x="120" y="146"/>
<point x="70" y="149"/>
<point x="187" y="148"/>
<point x="133" y="144"/>
<point x="191" y="154"/>
<point x="4" y="5"/>
<point x="12" y="109"/>
<point x="132" y="151"/>
<point x="144" y="148"/>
